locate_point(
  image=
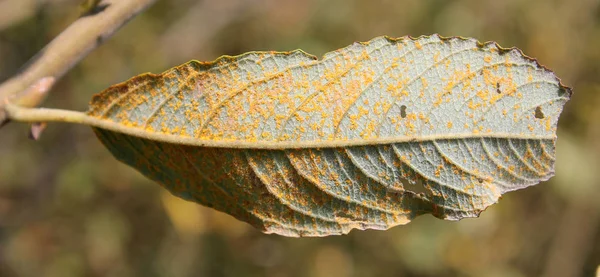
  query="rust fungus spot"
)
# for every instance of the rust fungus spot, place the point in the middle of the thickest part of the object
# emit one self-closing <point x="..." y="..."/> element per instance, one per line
<point x="403" y="111"/>
<point x="539" y="114"/>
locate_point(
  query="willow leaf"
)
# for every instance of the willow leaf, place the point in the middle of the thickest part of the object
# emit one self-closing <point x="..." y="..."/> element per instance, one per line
<point x="368" y="137"/>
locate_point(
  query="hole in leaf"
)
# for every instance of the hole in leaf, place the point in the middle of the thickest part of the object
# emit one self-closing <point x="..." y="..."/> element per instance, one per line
<point x="539" y="114"/>
<point x="498" y="88"/>
<point x="417" y="187"/>
<point x="403" y="111"/>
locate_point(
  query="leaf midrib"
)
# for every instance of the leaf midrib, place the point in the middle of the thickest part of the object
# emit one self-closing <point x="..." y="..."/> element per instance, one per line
<point x="58" y="115"/>
<point x="279" y="145"/>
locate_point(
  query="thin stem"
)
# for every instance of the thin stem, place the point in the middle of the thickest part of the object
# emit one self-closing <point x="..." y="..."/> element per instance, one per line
<point x="72" y="45"/>
<point x="32" y="115"/>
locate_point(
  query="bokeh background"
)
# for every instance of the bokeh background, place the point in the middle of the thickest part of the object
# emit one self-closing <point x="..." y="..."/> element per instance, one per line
<point x="67" y="208"/>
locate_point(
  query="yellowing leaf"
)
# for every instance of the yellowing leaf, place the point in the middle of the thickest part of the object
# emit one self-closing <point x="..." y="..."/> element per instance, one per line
<point x="370" y="136"/>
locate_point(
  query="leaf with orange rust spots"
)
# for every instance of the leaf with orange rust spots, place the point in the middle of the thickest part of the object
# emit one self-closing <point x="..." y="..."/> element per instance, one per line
<point x="368" y="137"/>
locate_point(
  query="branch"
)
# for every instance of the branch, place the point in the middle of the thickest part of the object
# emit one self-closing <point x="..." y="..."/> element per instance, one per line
<point x="89" y="31"/>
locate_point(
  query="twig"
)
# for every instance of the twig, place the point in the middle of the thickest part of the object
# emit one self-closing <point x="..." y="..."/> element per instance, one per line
<point x="72" y="45"/>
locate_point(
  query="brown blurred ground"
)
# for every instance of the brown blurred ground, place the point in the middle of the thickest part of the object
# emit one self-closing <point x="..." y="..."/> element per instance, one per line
<point x="67" y="208"/>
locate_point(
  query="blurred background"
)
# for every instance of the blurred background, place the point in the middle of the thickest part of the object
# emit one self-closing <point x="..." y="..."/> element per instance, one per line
<point x="67" y="208"/>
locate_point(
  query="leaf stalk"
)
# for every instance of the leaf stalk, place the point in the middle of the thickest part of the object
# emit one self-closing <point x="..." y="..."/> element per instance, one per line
<point x="67" y="49"/>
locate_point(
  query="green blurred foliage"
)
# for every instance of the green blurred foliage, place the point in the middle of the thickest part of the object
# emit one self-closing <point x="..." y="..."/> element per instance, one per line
<point x="67" y="208"/>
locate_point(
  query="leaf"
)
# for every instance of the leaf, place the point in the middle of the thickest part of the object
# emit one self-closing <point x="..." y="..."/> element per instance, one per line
<point x="369" y="137"/>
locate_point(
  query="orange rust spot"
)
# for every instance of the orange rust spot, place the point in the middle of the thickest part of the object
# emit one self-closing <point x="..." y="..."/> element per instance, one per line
<point x="418" y="45"/>
<point x="438" y="170"/>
